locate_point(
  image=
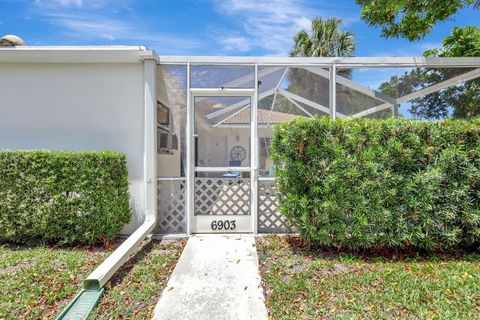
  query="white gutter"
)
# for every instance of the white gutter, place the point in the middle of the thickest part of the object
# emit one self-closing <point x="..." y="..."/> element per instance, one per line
<point x="104" y="272"/>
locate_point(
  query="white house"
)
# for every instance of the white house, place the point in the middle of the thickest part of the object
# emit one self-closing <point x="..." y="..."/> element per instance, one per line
<point x="196" y="130"/>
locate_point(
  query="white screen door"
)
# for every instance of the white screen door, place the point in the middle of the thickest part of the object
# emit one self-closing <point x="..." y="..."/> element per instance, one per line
<point x="222" y="174"/>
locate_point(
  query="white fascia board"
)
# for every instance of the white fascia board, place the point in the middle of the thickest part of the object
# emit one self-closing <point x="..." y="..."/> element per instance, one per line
<point x="96" y="54"/>
<point x="134" y="53"/>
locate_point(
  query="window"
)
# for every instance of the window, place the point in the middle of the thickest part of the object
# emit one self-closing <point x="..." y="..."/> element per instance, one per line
<point x="166" y="142"/>
<point x="163" y="141"/>
<point x="163" y="115"/>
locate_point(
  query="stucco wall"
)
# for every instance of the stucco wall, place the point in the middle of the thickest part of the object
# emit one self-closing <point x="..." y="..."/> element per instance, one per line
<point x="84" y="106"/>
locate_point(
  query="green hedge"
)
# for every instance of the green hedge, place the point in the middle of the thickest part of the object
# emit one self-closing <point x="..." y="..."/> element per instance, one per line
<point x="371" y="183"/>
<point x="62" y="197"/>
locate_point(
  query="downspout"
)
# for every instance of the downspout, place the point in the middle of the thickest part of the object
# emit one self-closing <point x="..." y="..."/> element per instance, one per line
<point x="103" y="273"/>
<point x="84" y="302"/>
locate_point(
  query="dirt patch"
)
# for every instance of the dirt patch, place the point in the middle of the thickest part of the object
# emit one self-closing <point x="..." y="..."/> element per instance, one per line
<point x="339" y="268"/>
<point x="17" y="267"/>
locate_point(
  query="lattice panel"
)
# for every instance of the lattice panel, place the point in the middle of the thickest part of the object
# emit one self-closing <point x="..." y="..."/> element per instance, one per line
<point x="171" y="207"/>
<point x="222" y="196"/>
<point x="269" y="218"/>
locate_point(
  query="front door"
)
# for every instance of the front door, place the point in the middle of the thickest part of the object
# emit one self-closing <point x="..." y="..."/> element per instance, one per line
<point x="222" y="174"/>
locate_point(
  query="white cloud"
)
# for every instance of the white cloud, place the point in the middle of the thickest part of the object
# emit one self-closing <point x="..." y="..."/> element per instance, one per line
<point x="77" y="3"/>
<point x="74" y="3"/>
<point x="236" y="43"/>
<point x="86" y="25"/>
<point x="271" y="25"/>
<point x="303" y="23"/>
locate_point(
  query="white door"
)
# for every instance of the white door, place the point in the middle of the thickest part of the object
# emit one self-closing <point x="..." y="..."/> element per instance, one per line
<point x="222" y="178"/>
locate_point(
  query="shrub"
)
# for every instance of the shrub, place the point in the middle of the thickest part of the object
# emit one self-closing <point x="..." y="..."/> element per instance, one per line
<point x="368" y="183"/>
<point x="62" y="197"/>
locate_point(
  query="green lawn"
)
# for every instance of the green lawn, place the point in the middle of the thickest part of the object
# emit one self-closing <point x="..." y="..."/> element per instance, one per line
<point x="38" y="282"/>
<point x="133" y="291"/>
<point x="300" y="284"/>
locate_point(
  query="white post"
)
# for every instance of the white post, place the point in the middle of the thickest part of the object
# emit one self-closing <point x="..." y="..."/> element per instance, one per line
<point x="333" y="93"/>
<point x="190" y="163"/>
<point x="150" y="138"/>
<point x="254" y="155"/>
<point x="395" y="111"/>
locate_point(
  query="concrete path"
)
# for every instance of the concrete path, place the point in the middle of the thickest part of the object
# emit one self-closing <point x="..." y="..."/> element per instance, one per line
<point x="216" y="277"/>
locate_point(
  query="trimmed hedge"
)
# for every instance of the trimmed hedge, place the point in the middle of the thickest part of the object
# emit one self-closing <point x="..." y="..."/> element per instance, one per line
<point x="360" y="184"/>
<point x="62" y="197"/>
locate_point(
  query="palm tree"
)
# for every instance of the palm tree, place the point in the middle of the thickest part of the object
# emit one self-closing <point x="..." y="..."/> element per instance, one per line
<point x="325" y="39"/>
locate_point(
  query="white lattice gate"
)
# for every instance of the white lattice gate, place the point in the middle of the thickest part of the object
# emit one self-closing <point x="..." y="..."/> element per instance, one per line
<point x="217" y="196"/>
<point x="222" y="196"/>
<point x="270" y="219"/>
<point x="171" y="206"/>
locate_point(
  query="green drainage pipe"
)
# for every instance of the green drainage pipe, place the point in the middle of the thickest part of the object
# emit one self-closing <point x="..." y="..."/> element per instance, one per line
<point x="85" y="301"/>
<point x="81" y="306"/>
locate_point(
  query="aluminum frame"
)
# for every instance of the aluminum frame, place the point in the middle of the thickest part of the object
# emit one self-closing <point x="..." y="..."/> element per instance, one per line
<point x="324" y="67"/>
<point x="344" y="62"/>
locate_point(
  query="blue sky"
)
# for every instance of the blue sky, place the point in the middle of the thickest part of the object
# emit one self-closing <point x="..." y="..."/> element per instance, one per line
<point x="201" y="27"/>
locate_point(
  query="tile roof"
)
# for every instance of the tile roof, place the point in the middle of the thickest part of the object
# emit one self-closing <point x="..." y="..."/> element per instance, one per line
<point x="264" y="117"/>
<point x="242" y="117"/>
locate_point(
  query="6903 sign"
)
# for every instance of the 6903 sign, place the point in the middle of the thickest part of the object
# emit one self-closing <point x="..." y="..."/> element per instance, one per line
<point x="219" y="225"/>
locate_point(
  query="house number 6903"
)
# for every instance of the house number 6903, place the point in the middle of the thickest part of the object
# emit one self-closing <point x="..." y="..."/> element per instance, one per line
<point x="223" y="225"/>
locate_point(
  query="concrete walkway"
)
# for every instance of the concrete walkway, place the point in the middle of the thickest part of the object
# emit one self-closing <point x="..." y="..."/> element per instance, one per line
<point x="216" y="277"/>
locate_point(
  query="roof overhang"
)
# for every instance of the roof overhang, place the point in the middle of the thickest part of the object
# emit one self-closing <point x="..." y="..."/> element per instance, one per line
<point x="129" y="54"/>
<point x="77" y="54"/>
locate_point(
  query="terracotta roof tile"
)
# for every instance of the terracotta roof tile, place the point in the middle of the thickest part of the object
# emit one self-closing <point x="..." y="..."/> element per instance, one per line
<point x="264" y="117"/>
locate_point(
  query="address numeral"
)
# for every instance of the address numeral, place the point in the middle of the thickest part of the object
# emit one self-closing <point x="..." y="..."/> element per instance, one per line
<point x="223" y="225"/>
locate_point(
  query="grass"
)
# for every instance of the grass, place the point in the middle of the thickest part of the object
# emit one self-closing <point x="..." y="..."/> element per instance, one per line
<point x="133" y="291"/>
<point x="38" y="282"/>
<point x="302" y="284"/>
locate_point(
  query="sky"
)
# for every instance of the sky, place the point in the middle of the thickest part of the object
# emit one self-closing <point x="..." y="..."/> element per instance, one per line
<point x="210" y="27"/>
<point x="201" y="27"/>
